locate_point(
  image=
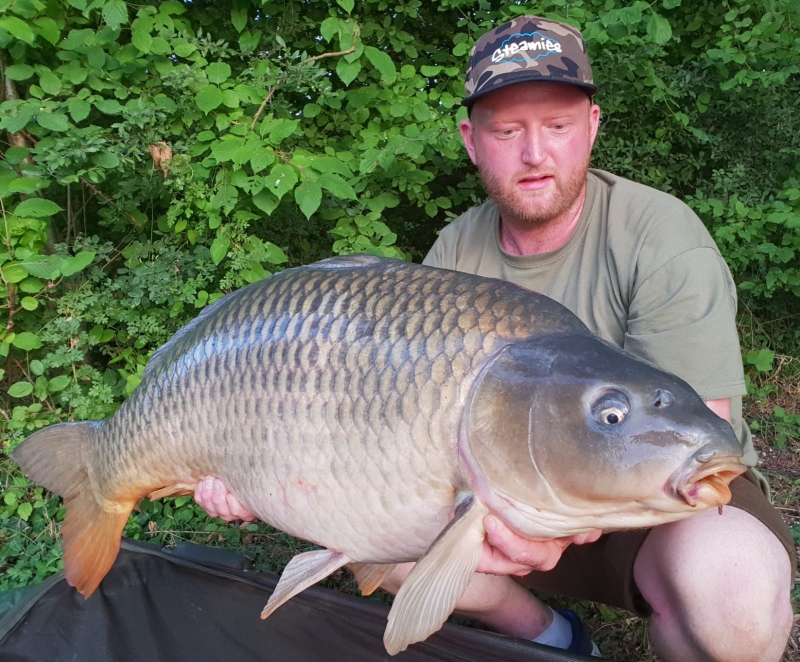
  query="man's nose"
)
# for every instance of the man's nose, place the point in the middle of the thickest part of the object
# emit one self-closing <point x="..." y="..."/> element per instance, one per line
<point x="533" y="152"/>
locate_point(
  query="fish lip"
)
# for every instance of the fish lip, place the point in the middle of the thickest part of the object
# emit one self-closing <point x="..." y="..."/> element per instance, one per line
<point x="705" y="482"/>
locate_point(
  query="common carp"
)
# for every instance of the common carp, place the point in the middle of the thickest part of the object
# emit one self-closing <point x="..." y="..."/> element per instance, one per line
<point x="381" y="409"/>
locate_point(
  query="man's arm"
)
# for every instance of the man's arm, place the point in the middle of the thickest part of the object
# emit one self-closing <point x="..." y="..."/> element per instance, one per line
<point x="721" y="408"/>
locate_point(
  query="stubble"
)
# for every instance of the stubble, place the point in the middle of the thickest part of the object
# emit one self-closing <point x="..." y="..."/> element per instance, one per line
<point x="535" y="208"/>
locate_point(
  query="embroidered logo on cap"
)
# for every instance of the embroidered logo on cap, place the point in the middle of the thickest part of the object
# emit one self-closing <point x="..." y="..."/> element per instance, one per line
<point x="517" y="45"/>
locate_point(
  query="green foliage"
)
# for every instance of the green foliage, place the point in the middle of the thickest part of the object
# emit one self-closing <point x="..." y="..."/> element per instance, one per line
<point x="159" y="155"/>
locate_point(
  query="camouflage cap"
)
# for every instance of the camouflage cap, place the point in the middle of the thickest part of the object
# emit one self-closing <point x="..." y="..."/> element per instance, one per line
<point x="528" y="48"/>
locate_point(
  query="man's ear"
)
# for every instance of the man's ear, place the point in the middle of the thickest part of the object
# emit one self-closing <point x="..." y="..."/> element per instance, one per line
<point x="467" y="128"/>
<point x="594" y="123"/>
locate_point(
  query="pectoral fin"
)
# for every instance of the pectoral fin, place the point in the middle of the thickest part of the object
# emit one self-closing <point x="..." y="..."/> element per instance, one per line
<point x="371" y="575"/>
<point x="439" y="579"/>
<point x="301" y="572"/>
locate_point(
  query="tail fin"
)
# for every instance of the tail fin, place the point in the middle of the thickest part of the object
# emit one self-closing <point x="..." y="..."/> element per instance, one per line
<point x="55" y="458"/>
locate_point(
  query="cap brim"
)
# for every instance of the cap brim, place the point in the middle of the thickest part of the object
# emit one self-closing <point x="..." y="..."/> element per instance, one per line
<point x="590" y="88"/>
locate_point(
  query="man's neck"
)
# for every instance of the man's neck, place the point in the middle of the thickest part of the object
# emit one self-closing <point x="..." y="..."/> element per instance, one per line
<point x="520" y="238"/>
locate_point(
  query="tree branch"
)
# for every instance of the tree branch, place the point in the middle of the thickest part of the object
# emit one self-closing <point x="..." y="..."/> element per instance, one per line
<point x="285" y="76"/>
<point x="105" y="198"/>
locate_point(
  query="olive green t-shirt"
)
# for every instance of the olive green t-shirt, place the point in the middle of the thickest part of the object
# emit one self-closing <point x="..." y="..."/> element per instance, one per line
<point x="640" y="270"/>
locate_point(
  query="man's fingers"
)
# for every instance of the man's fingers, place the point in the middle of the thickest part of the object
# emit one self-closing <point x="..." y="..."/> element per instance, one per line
<point x="212" y="496"/>
<point x="494" y="562"/>
<point x="237" y="510"/>
<point x="508" y="553"/>
<point x="204" y="495"/>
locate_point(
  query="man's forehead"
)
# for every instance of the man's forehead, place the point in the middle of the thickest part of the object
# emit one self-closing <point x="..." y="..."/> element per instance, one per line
<point x="533" y="97"/>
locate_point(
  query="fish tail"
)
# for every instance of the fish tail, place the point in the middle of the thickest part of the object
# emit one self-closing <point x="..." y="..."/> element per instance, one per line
<point x="55" y="458"/>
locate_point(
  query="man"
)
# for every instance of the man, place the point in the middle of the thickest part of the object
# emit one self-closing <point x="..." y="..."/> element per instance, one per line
<point x="638" y="267"/>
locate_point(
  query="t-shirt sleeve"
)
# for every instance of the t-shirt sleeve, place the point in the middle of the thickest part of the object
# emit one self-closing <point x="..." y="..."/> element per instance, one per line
<point x="435" y="256"/>
<point x="682" y="317"/>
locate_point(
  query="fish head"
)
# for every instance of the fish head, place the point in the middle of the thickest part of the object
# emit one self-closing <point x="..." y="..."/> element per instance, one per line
<point x="566" y="433"/>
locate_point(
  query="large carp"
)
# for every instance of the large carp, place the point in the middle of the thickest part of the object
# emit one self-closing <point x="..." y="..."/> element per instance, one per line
<point x="380" y="409"/>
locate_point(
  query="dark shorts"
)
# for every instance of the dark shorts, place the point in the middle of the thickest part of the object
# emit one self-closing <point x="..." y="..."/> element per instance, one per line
<point x="603" y="571"/>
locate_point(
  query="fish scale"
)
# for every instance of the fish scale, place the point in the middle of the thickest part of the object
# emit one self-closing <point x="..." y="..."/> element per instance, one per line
<point x="380" y="409"/>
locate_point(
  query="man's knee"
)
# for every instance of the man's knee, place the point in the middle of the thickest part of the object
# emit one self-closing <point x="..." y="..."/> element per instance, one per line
<point x="720" y="584"/>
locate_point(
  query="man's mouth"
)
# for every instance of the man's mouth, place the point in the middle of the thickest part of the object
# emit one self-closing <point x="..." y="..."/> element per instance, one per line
<point x="533" y="182"/>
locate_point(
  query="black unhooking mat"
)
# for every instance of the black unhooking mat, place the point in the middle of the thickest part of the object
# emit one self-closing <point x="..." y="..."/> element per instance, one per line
<point x="158" y="605"/>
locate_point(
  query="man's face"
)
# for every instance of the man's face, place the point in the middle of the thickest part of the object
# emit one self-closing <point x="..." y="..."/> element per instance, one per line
<point x="532" y="143"/>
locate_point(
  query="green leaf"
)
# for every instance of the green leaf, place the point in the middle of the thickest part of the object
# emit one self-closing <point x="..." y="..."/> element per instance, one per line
<point x="72" y="265"/>
<point x="347" y="71"/>
<point x="382" y="62"/>
<point x="14" y="272"/>
<point x="43" y="266"/>
<point x="19" y="72"/>
<point x="279" y="130"/>
<point x="208" y="98"/>
<point x="58" y="383"/>
<point x="48" y="29"/>
<point x="184" y="49"/>
<point x="24" y="510"/>
<point x="52" y="121"/>
<point x="261" y="158"/>
<point x="115" y="13"/>
<point x="429" y="71"/>
<point x="239" y="17"/>
<point x="274" y="254"/>
<point x="142" y="39"/>
<point x="281" y="180"/>
<point x="37" y="207"/>
<point x="329" y="27"/>
<point x="17" y="28"/>
<point x="659" y="29"/>
<point x="26" y="185"/>
<point x="29" y="303"/>
<point x="337" y="186"/>
<point x="219" y="248"/>
<point x="266" y="201"/>
<point x="311" y="110"/>
<point x="218" y="72"/>
<point x="248" y="41"/>
<point x="105" y="159"/>
<point x="108" y="106"/>
<point x="308" y="197"/>
<point x="347" y="5"/>
<point x="37" y="367"/>
<point x="78" y="109"/>
<point x="50" y="83"/>
<point x="27" y="341"/>
<point x="224" y="150"/>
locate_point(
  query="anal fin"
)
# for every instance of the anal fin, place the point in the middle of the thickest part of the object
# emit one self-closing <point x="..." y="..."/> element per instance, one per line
<point x="301" y="572"/>
<point x="430" y="592"/>
<point x="371" y="575"/>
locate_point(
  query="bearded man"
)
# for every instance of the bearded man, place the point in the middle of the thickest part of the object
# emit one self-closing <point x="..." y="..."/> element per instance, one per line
<point x="641" y="271"/>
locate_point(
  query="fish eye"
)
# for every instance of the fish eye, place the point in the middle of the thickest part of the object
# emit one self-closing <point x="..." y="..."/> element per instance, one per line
<point x="611" y="408"/>
<point x="662" y="399"/>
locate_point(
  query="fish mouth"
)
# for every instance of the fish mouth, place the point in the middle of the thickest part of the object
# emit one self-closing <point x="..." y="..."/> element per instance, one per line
<point x="706" y="483"/>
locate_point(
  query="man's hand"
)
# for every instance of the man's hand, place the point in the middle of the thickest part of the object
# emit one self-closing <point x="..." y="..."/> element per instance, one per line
<point x="213" y="497"/>
<point x="506" y="553"/>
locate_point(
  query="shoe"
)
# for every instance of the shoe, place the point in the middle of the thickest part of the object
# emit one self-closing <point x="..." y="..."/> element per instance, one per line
<point x="581" y="641"/>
